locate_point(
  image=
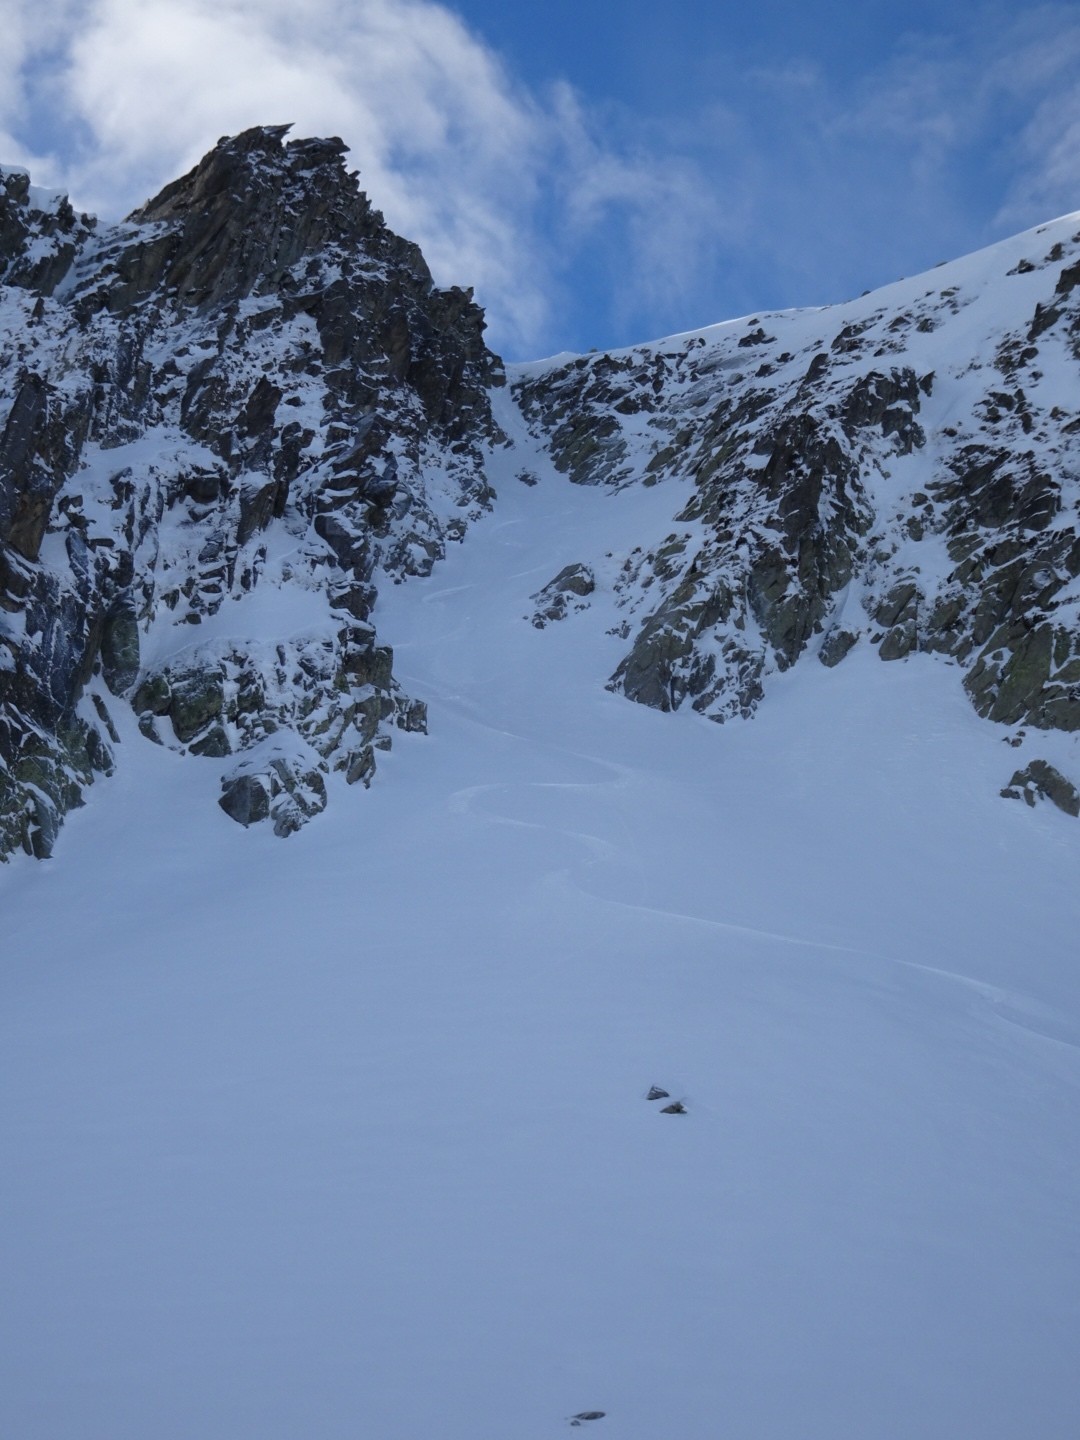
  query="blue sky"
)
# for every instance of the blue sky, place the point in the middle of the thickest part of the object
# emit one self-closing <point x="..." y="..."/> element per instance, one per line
<point x="602" y="172"/>
<point x="666" y="56"/>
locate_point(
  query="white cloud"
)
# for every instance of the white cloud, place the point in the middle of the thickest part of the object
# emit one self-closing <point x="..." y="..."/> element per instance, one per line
<point x="671" y="217"/>
<point x="1010" y="87"/>
<point x="781" y="186"/>
<point x="1043" y="74"/>
<point x="458" y="156"/>
<point x="953" y="140"/>
<point x="445" y="145"/>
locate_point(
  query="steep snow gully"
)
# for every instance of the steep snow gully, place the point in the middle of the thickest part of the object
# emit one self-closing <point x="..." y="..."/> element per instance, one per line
<point x="348" y="1136"/>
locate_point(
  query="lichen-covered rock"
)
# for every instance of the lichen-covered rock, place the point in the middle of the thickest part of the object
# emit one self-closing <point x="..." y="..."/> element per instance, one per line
<point x="120" y="647"/>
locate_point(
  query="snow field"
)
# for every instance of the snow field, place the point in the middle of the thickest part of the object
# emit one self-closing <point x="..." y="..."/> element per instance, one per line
<point x="346" y="1136"/>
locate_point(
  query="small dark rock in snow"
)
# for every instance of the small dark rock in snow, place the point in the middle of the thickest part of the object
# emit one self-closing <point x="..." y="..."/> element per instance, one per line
<point x="657" y="1094"/>
<point x="678" y="1108"/>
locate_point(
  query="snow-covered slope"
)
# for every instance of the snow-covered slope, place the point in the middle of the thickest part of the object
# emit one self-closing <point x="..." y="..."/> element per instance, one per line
<point x="349" y="1136"/>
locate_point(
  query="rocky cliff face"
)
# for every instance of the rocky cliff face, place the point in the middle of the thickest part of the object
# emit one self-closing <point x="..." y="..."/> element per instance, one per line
<point x="250" y="386"/>
<point x="901" y="472"/>
<point x="252" y="390"/>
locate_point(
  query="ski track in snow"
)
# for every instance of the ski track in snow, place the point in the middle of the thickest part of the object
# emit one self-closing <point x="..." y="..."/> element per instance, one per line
<point x="1011" y="1007"/>
<point x="346" y="1136"/>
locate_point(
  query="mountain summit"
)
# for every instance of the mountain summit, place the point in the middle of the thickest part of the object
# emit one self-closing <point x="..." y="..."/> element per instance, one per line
<point x="225" y="422"/>
<point x="248" y="388"/>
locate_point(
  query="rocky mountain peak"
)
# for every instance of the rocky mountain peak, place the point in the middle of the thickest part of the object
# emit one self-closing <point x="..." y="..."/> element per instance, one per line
<point x="40" y="233"/>
<point x="251" y="209"/>
<point x="251" y="385"/>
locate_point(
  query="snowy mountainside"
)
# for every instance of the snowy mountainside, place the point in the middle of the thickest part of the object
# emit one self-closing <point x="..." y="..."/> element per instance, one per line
<point x="353" y="1136"/>
<point x="349" y="1136"/>
<point x="900" y="472"/>
<point x="251" y="385"/>
<point x="226" y="422"/>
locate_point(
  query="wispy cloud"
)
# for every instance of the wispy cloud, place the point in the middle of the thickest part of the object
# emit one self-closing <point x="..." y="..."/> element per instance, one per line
<point x="446" y="144"/>
<point x="1042" y="76"/>
<point x="956" y="139"/>
<point x="458" y="155"/>
<point x="784" y="185"/>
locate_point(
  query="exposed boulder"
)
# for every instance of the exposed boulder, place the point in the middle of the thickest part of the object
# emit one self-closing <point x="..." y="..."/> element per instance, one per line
<point x="283" y="785"/>
<point x="836" y="645"/>
<point x="1041" y="781"/>
<point x="245" y="798"/>
<point x="567" y="593"/>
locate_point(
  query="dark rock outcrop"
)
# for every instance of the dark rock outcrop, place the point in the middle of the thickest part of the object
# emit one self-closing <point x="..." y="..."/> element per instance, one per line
<point x="567" y="593"/>
<point x="899" y="470"/>
<point x="1041" y="781"/>
<point x="241" y="390"/>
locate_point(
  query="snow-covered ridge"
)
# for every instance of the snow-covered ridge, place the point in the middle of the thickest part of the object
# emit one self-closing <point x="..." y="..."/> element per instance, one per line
<point x="902" y="471"/>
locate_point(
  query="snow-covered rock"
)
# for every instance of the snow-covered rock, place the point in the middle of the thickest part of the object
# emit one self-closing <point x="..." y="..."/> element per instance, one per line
<point x="223" y="424"/>
<point x="902" y="471"/>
